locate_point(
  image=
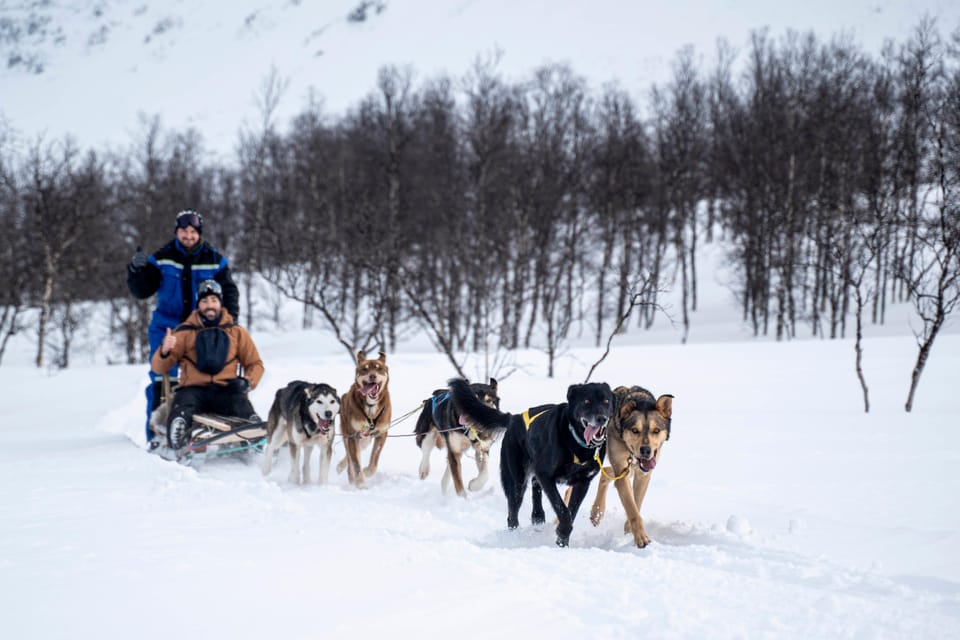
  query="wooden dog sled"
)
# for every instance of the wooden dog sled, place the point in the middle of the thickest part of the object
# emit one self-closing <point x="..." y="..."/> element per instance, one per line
<point x="211" y="435"/>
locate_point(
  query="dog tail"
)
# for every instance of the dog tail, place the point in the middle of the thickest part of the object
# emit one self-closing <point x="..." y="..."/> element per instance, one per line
<point x="474" y="409"/>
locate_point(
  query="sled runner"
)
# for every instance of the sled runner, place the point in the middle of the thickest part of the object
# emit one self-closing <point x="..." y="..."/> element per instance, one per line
<point x="211" y="435"/>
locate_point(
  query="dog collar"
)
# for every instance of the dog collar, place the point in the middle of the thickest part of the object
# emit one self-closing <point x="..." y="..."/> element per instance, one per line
<point x="581" y="441"/>
<point x="623" y="473"/>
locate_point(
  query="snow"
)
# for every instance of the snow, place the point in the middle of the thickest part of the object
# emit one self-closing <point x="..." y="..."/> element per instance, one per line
<point x="202" y="63"/>
<point x="779" y="509"/>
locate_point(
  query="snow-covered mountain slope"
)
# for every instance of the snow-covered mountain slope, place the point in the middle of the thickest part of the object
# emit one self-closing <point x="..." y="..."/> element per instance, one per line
<point x="91" y="68"/>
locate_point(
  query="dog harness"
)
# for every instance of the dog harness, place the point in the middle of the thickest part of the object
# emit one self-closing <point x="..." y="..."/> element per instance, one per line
<point x="527" y="420"/>
<point x="371" y="424"/>
<point x="437" y="404"/>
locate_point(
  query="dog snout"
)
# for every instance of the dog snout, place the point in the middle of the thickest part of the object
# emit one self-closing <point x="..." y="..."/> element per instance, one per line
<point x="645" y="452"/>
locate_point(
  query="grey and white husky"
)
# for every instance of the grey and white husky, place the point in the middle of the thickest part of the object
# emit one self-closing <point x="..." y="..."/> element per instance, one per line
<point x="302" y="416"/>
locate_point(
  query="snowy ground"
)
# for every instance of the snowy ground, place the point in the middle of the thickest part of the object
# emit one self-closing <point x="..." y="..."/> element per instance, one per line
<point x="779" y="508"/>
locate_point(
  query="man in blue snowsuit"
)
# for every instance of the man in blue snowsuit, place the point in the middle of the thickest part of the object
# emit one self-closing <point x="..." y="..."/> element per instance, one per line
<point x="173" y="273"/>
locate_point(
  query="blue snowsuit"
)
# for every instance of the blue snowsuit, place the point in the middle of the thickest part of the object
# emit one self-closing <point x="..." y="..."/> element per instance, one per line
<point x="174" y="274"/>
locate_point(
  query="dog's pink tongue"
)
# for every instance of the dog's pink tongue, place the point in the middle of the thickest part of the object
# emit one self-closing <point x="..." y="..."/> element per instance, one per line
<point x="647" y="464"/>
<point x="462" y="419"/>
<point x="590" y="433"/>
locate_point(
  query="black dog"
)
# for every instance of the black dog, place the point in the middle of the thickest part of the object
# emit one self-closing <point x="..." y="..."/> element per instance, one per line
<point x="440" y="425"/>
<point x="555" y="442"/>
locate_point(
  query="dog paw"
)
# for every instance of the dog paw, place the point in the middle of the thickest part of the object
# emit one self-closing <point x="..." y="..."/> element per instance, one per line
<point x="596" y="515"/>
<point x="538" y="517"/>
<point x="424" y="472"/>
<point x="640" y="537"/>
<point x="369" y="471"/>
<point x="563" y="541"/>
<point x="341" y="465"/>
<point x="476" y="484"/>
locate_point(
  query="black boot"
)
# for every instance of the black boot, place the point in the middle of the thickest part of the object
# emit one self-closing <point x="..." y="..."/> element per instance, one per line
<point x="177" y="434"/>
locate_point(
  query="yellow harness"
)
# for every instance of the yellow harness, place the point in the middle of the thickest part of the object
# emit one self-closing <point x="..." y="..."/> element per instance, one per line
<point x="527" y="420"/>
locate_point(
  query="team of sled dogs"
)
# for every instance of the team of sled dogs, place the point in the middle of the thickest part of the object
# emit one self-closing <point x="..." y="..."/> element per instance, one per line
<point x="617" y="434"/>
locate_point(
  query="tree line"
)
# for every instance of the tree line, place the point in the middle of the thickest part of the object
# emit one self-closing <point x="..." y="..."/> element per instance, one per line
<point x="497" y="215"/>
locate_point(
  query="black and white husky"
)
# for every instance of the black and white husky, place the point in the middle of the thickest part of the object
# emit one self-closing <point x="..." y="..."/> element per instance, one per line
<point x="302" y="416"/>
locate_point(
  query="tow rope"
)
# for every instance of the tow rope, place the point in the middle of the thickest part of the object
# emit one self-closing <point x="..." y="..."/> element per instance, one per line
<point x="596" y="456"/>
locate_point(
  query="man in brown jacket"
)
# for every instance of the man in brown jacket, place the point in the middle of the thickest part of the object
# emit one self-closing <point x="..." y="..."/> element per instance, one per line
<point x="212" y="351"/>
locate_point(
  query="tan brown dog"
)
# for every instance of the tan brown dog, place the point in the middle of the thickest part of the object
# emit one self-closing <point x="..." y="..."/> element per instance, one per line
<point x="633" y="449"/>
<point x="364" y="417"/>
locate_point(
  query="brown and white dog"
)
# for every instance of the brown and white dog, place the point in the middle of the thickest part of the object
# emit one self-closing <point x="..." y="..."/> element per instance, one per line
<point x="302" y="415"/>
<point x="641" y="427"/>
<point x="365" y="417"/>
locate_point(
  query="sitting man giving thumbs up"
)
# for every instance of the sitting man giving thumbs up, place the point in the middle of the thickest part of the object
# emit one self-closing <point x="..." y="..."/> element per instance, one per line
<point x="210" y="350"/>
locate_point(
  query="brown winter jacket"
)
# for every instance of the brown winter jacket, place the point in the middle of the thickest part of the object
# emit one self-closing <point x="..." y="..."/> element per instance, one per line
<point x="242" y="351"/>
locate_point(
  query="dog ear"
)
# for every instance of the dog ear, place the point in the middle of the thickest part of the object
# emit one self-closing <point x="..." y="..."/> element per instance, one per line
<point x="627" y="408"/>
<point x="620" y="394"/>
<point x="493" y="384"/>
<point x="665" y="405"/>
<point x="383" y="356"/>
<point x="360" y="356"/>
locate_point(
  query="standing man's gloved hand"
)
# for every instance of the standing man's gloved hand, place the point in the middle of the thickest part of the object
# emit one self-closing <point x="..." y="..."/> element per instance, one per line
<point x="139" y="260"/>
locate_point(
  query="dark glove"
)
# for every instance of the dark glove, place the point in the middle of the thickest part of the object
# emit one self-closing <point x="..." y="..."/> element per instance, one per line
<point x="139" y="260"/>
<point x="238" y="385"/>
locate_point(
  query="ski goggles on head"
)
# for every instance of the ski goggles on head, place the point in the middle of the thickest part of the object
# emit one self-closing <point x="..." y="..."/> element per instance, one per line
<point x="190" y="219"/>
<point x="209" y="288"/>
